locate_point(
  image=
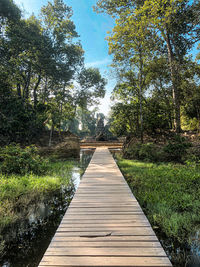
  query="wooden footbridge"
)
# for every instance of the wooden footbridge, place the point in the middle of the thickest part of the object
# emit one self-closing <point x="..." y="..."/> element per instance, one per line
<point x="104" y="224"/>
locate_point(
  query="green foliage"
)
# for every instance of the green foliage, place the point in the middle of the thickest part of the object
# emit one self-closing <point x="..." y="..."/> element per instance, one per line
<point x="150" y="40"/>
<point x="9" y="10"/>
<point x="176" y="149"/>
<point x="147" y="152"/>
<point x="168" y="193"/>
<point x="123" y="119"/>
<point x="37" y="77"/>
<point x="19" y="193"/>
<point x="17" y="160"/>
<point x="18" y="121"/>
<point x="92" y="87"/>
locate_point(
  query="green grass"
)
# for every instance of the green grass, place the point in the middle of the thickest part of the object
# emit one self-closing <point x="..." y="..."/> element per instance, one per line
<point x="169" y="195"/>
<point x="18" y="192"/>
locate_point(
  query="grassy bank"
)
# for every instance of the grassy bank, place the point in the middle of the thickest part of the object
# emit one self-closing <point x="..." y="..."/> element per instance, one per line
<point x="20" y="192"/>
<point x="169" y="195"/>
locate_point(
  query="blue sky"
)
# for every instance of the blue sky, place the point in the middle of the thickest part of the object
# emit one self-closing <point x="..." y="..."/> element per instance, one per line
<point x="92" y="28"/>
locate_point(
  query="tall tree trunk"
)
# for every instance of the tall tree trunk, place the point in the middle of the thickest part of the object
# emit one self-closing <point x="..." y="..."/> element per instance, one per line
<point x="27" y="84"/>
<point x="140" y="97"/>
<point x="51" y="134"/>
<point x="35" y="101"/>
<point x="169" y="113"/>
<point x="45" y="90"/>
<point x="19" y="93"/>
<point x="59" y="130"/>
<point x="198" y="119"/>
<point x="137" y="120"/>
<point x="175" y="85"/>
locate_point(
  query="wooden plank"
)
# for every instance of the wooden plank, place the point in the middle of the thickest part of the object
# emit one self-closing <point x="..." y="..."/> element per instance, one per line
<point x="100" y="233"/>
<point x="102" y="214"/>
<point x="104" y="225"/>
<point x="108" y="238"/>
<point x="98" y="244"/>
<point x="98" y="208"/>
<point x="109" y="251"/>
<point x="105" y="261"/>
<point x="101" y="225"/>
<point x="143" y="230"/>
<point x="106" y="216"/>
<point x="100" y="204"/>
<point x="96" y="223"/>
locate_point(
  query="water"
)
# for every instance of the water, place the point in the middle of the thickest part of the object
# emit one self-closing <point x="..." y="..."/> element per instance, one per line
<point x="31" y="238"/>
<point x="183" y="255"/>
<point x="85" y="157"/>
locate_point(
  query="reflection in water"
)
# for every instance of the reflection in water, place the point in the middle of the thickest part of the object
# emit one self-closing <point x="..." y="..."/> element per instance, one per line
<point x="187" y="255"/>
<point x="26" y="250"/>
<point x="85" y="157"/>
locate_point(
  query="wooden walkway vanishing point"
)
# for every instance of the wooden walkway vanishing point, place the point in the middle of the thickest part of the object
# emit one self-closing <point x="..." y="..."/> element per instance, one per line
<point x="104" y="224"/>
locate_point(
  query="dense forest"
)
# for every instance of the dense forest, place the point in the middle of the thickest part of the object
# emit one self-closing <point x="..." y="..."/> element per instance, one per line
<point x="43" y="80"/>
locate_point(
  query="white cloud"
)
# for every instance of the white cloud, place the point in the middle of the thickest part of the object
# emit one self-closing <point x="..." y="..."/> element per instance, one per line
<point x="97" y="63"/>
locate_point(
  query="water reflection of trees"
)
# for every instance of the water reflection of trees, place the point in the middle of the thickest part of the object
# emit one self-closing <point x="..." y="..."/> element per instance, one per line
<point x="85" y="157"/>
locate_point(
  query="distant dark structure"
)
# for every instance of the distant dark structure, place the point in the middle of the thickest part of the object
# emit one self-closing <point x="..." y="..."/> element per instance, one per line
<point x="100" y="130"/>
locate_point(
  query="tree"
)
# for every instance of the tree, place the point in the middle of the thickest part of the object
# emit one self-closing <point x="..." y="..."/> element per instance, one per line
<point x="132" y="45"/>
<point x="91" y="87"/>
<point x="123" y="119"/>
<point x="37" y="77"/>
<point x="191" y="91"/>
<point x="174" y="22"/>
<point x="9" y="11"/>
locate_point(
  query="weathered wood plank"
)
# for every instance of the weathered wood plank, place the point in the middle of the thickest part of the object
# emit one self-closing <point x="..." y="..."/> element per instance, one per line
<point x="103" y="225"/>
<point x="106" y="216"/>
<point x="108" y="238"/>
<point x="105" y="209"/>
<point x="59" y="242"/>
<point x="122" y="251"/>
<point x="105" y="261"/>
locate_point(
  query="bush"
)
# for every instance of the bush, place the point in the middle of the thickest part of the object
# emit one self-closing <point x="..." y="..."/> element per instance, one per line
<point x="146" y="152"/>
<point x="132" y="152"/>
<point x="21" y="161"/>
<point x="176" y="149"/>
<point x="149" y="152"/>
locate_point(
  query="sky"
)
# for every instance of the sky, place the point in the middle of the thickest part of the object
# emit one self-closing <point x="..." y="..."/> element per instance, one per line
<point x="92" y="28"/>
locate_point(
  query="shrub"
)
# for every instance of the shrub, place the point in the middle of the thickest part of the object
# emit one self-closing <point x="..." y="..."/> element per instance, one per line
<point x="132" y="152"/>
<point x="21" y="160"/>
<point x="176" y="149"/>
<point x="146" y="152"/>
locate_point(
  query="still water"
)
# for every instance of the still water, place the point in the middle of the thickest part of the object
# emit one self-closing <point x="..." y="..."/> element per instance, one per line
<point x="43" y="221"/>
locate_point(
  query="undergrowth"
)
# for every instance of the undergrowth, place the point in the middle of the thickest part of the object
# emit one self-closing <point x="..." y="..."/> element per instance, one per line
<point x="169" y="194"/>
<point x="19" y="192"/>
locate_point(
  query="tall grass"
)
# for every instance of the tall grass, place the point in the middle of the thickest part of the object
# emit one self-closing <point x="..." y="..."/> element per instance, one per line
<point x="169" y="195"/>
<point x="19" y="192"/>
